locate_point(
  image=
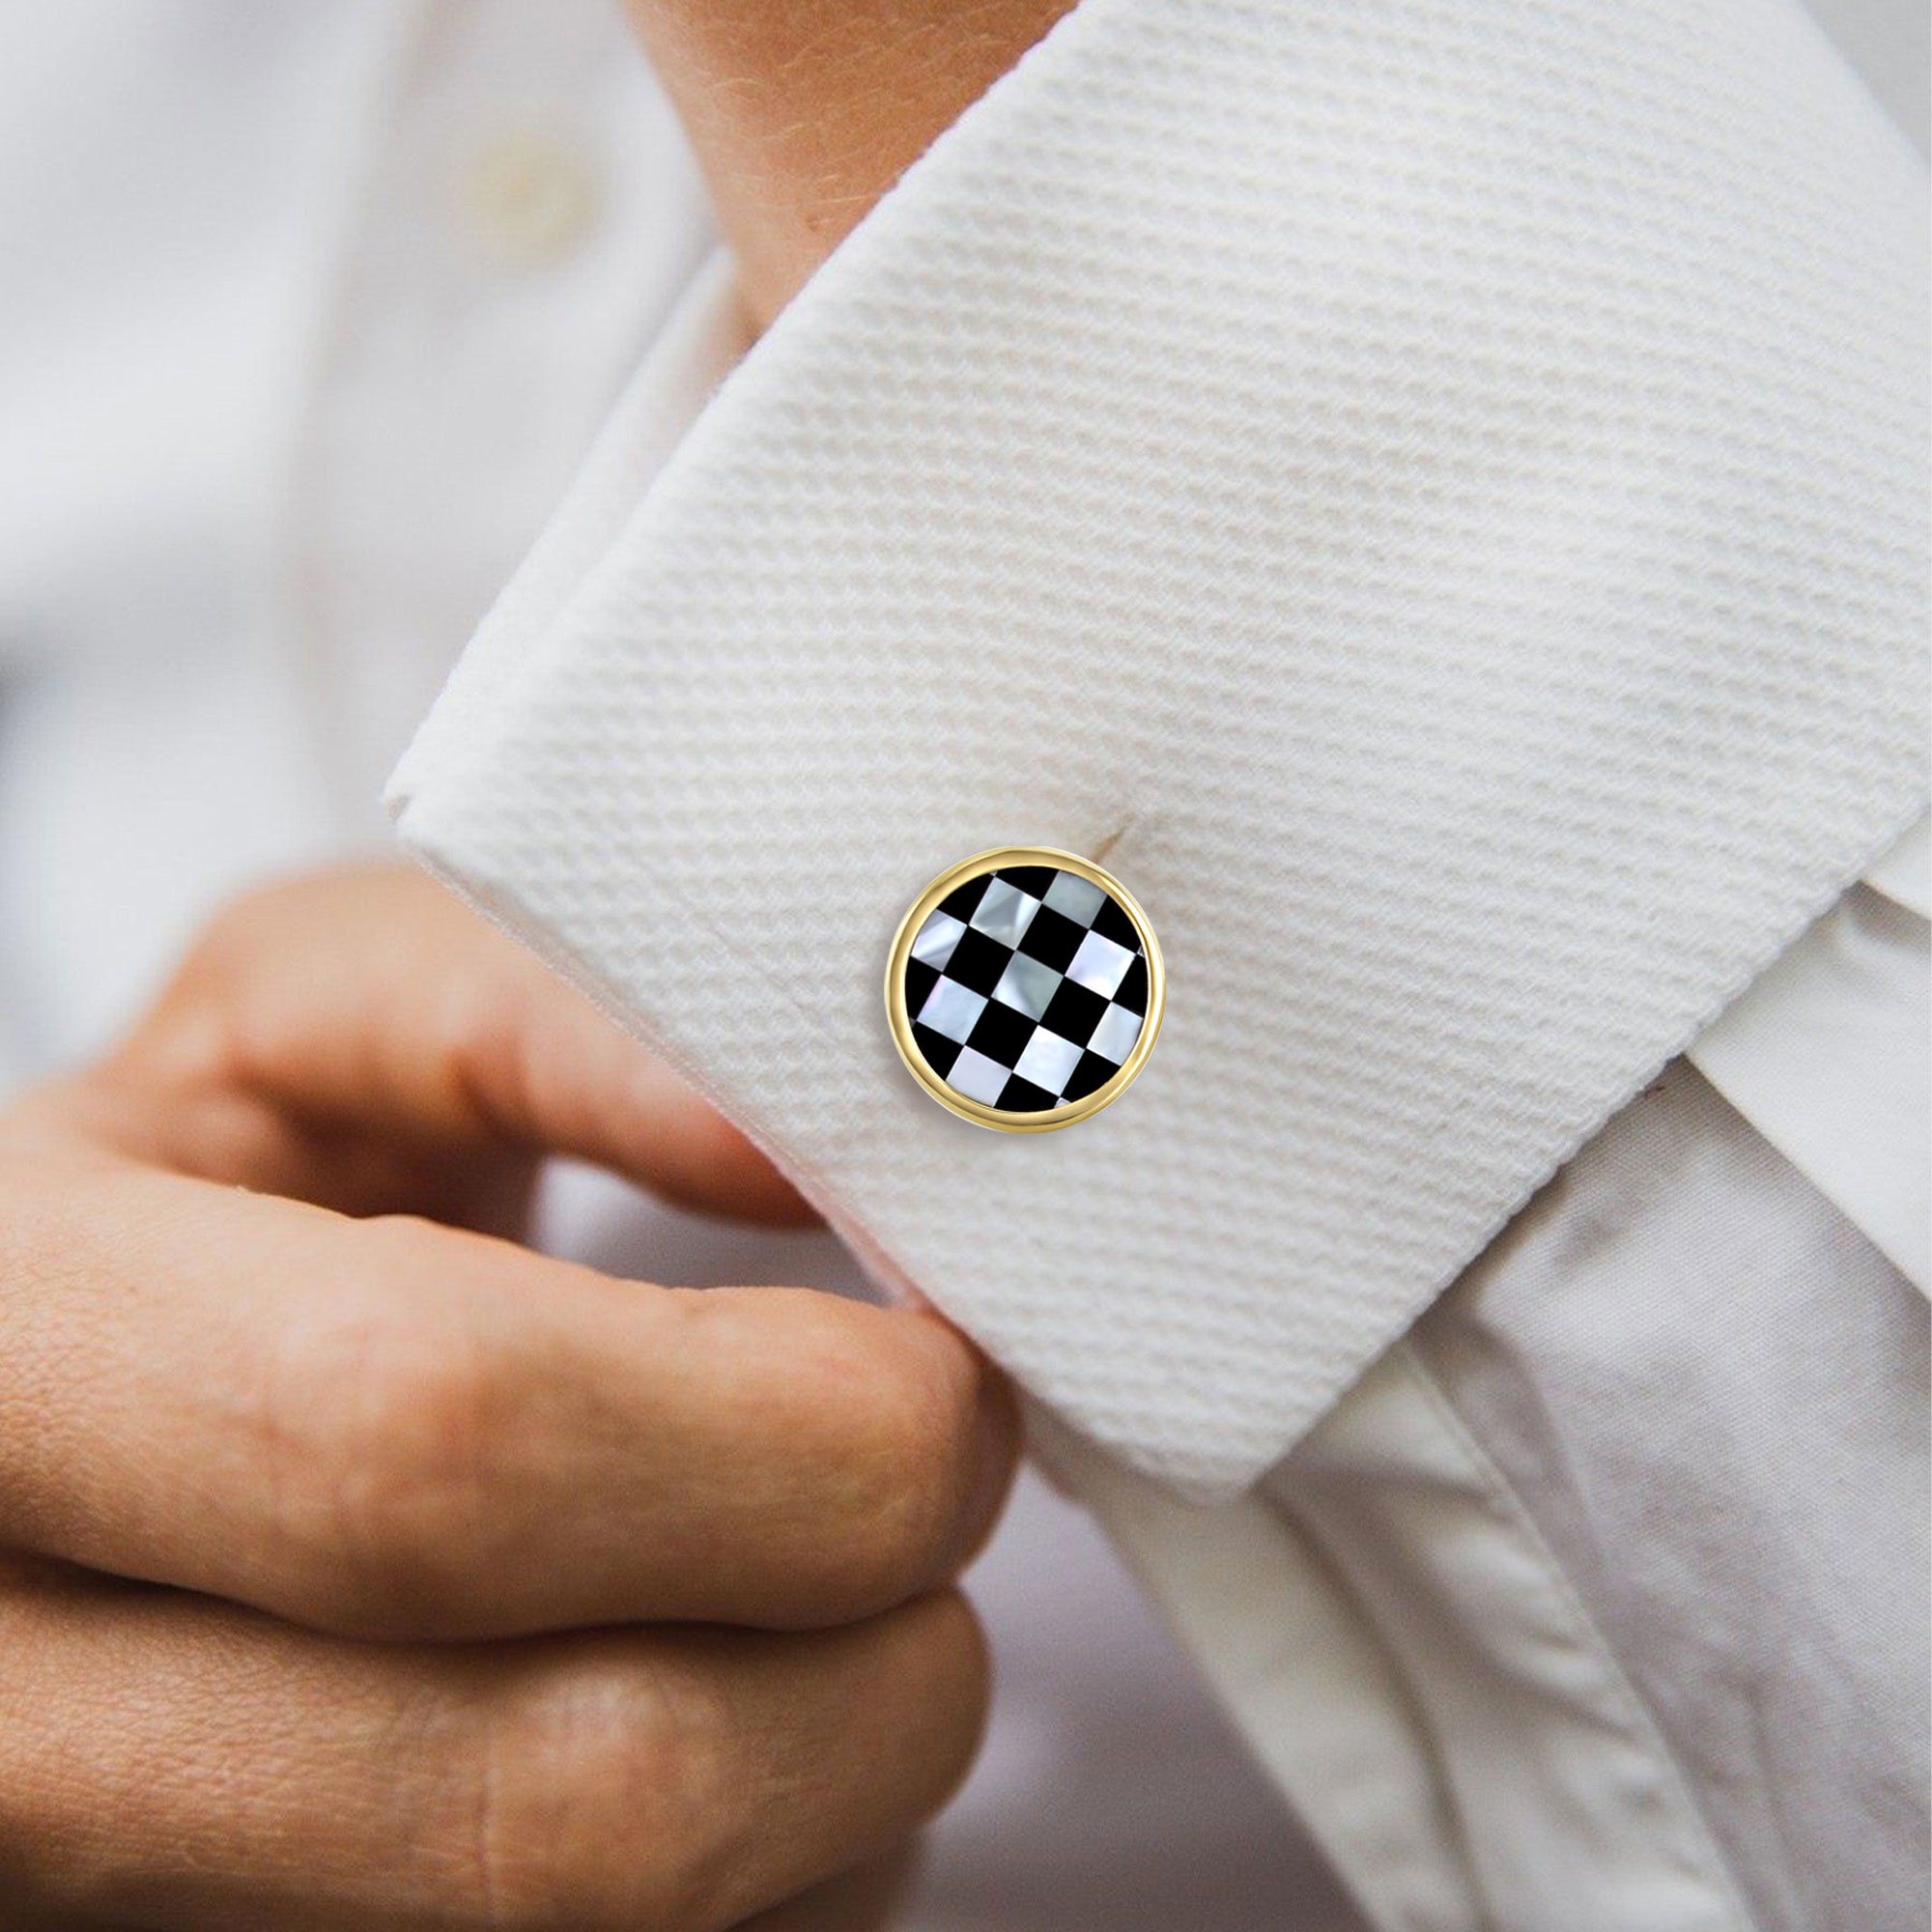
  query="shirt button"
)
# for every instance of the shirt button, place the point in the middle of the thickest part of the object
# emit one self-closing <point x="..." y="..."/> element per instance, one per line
<point x="531" y="195"/>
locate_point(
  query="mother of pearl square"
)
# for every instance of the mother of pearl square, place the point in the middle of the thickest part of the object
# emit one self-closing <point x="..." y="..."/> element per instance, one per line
<point x="1026" y="985"/>
<point x="1100" y="964"/>
<point x="936" y="938"/>
<point x="976" y="1077"/>
<point x="952" y="1008"/>
<point x="1005" y="913"/>
<point x="1113" y="1038"/>
<point x="1077" y="897"/>
<point x="1048" y="1061"/>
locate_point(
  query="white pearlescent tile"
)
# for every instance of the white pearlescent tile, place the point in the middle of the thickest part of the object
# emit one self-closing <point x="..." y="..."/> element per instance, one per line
<point x="1026" y="985"/>
<point x="935" y="940"/>
<point x="1048" y="1061"/>
<point x="977" y="1077"/>
<point x="1077" y="897"/>
<point x="1100" y="964"/>
<point x="1113" y="1038"/>
<point x="1005" y="913"/>
<point x="952" y="1008"/>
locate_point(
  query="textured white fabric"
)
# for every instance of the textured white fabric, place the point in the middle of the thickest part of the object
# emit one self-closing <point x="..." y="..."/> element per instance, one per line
<point x="1437" y="487"/>
<point x="1705" y="1388"/>
<point x="703" y="728"/>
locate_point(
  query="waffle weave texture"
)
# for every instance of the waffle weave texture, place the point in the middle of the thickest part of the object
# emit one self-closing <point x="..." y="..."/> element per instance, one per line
<point x="1433" y="488"/>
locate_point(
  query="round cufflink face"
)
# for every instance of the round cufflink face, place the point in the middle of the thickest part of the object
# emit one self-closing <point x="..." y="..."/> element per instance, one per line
<point x="1024" y="988"/>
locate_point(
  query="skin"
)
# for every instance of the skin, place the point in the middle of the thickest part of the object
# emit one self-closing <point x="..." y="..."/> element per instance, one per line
<point x="360" y="1569"/>
<point x="803" y="113"/>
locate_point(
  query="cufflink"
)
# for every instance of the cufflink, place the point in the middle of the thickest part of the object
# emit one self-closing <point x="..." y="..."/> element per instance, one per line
<point x="1024" y="988"/>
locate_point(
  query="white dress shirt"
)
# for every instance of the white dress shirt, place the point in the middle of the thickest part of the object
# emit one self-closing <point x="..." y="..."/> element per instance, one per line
<point x="1435" y="494"/>
<point x="309" y="314"/>
<point x="1598" y="1602"/>
<point x="1555" y="1617"/>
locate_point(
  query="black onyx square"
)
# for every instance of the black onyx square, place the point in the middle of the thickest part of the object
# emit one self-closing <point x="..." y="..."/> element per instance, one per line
<point x="1132" y="991"/>
<point x="1001" y="1034"/>
<point x="1052" y="938"/>
<point x="978" y="961"/>
<point x="1091" y="1072"/>
<point x="919" y="981"/>
<point x="1111" y="923"/>
<point x="963" y="902"/>
<point x="1022" y="1096"/>
<point x="1033" y="879"/>
<point x="939" y="1051"/>
<point x="1073" y="1012"/>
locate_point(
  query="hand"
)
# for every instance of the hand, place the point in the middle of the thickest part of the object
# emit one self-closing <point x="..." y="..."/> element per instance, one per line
<point x="362" y="1572"/>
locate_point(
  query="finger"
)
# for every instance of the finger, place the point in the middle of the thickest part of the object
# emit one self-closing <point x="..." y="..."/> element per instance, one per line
<point x="863" y="1900"/>
<point x="381" y="1028"/>
<point x="169" y="1762"/>
<point x="396" y="1429"/>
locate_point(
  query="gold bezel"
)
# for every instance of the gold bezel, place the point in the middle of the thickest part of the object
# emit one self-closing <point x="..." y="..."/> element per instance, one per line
<point x="977" y="1111"/>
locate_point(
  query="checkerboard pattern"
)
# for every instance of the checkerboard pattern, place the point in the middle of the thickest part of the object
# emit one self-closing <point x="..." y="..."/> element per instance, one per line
<point x="1027" y="987"/>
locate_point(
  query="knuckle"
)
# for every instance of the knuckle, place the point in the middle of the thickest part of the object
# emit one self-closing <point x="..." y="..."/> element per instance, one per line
<point x="593" y="1803"/>
<point x="477" y="1026"/>
<point x="624" y="1783"/>
<point x="909" y="1457"/>
<point x="385" y="1432"/>
<point x="196" y="1033"/>
<point x="959" y="1645"/>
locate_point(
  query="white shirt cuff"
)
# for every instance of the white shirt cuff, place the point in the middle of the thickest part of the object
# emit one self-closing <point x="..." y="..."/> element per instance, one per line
<point x="1438" y="490"/>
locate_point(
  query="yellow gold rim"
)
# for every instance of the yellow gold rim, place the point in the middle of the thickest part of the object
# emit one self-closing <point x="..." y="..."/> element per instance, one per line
<point x="977" y="1111"/>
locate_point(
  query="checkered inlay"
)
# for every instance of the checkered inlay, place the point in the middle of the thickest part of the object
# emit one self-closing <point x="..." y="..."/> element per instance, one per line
<point x="1027" y="988"/>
